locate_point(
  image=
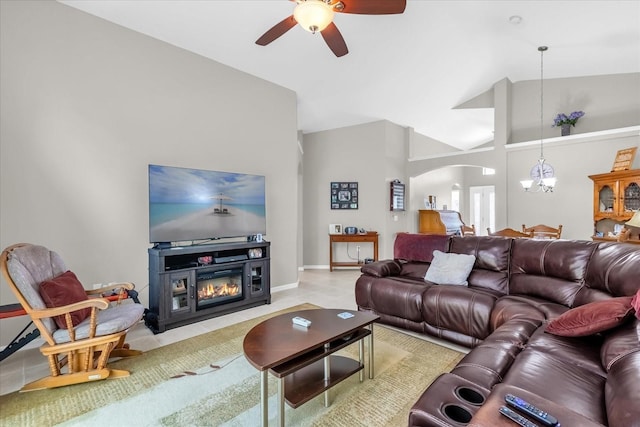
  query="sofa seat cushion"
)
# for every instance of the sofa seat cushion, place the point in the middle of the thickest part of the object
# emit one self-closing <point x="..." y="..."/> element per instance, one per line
<point x="398" y="298"/>
<point x="508" y="308"/>
<point x="555" y="379"/>
<point x="622" y="392"/>
<point x="592" y="318"/>
<point x="450" y="269"/>
<point x="549" y="309"/>
<point x="619" y="342"/>
<point x="459" y="309"/>
<point x="584" y="352"/>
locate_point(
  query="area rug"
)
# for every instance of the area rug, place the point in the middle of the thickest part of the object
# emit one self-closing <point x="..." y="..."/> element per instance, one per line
<point x="206" y="381"/>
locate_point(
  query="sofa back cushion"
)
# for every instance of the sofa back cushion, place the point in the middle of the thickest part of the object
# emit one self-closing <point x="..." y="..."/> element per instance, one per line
<point x="613" y="270"/>
<point x="418" y="247"/>
<point x="491" y="269"/>
<point x="549" y="269"/>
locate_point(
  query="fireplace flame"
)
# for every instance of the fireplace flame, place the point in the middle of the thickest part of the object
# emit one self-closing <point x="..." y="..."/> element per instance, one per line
<point x="211" y="290"/>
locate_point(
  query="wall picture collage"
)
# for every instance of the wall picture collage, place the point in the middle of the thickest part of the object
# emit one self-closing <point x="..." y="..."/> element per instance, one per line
<point x="344" y="195"/>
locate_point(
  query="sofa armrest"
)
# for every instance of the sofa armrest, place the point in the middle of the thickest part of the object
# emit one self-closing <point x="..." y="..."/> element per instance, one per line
<point x="384" y="268"/>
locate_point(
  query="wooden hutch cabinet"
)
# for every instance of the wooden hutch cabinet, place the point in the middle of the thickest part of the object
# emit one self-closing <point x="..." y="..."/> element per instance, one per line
<point x="616" y="196"/>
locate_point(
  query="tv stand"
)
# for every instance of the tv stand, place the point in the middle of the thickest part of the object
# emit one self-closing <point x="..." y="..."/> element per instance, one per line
<point x="194" y="283"/>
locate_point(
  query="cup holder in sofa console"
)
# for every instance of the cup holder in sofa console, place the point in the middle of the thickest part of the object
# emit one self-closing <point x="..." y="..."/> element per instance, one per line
<point x="449" y="400"/>
<point x="470" y="395"/>
<point x="457" y="414"/>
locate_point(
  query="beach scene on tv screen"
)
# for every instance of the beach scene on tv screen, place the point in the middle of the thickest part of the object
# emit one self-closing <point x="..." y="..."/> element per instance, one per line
<point x="193" y="204"/>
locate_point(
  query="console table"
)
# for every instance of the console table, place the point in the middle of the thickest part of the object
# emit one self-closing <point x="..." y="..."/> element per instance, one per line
<point x="370" y="237"/>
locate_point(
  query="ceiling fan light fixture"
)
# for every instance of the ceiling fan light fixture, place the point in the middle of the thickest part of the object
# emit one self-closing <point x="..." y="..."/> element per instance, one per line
<point x="313" y="15"/>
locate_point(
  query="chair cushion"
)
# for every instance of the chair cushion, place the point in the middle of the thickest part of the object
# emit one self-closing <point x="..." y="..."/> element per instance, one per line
<point x="63" y="290"/>
<point x="114" y="319"/>
<point x="30" y="265"/>
<point x="592" y="318"/>
<point x="450" y="268"/>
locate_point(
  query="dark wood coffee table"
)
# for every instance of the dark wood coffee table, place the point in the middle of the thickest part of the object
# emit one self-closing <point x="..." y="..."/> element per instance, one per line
<point x="282" y="348"/>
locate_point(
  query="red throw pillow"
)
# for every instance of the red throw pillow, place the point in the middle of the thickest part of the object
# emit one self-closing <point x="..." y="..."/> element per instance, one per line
<point x="635" y="303"/>
<point x="592" y="318"/>
<point x="63" y="290"/>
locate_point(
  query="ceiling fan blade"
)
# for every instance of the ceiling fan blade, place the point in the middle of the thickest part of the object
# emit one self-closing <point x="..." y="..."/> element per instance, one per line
<point x="373" y="7"/>
<point x="334" y="40"/>
<point x="277" y="30"/>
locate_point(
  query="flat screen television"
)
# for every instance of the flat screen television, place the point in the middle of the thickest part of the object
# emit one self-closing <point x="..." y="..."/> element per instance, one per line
<point x="193" y="204"/>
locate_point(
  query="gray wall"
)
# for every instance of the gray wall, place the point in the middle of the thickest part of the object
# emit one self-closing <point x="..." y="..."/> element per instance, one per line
<point x="610" y="102"/>
<point x="372" y="154"/>
<point x="86" y="105"/>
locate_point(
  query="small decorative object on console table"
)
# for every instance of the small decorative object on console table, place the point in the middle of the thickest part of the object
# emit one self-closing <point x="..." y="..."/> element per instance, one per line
<point x="565" y="122"/>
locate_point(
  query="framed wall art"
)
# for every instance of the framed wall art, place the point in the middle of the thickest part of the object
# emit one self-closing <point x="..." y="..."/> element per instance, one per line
<point x="396" y="196"/>
<point x="344" y="195"/>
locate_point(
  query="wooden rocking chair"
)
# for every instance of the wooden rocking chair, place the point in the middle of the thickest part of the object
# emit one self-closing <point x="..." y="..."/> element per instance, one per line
<point x="83" y="348"/>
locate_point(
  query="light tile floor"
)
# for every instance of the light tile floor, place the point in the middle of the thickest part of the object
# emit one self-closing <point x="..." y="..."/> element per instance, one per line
<point x="320" y="287"/>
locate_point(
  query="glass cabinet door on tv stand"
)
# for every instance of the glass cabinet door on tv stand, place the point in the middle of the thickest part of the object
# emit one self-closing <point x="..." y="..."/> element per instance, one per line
<point x="257" y="273"/>
<point x="179" y="288"/>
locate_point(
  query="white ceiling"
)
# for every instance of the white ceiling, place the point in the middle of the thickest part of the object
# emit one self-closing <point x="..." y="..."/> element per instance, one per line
<point x="411" y="69"/>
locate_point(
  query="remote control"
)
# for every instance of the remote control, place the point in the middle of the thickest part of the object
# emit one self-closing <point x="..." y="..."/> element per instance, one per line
<point x="535" y="413"/>
<point x="345" y="315"/>
<point x="516" y="418"/>
<point x="301" y="321"/>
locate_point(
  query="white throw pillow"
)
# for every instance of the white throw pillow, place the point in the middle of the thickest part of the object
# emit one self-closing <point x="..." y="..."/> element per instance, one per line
<point x="450" y="269"/>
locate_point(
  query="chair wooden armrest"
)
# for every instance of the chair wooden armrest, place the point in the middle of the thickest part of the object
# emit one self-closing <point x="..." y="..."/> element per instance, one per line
<point x="99" y="303"/>
<point x="110" y="287"/>
<point x="121" y="287"/>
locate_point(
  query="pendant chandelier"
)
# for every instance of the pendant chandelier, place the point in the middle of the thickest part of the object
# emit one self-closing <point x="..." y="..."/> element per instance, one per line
<point x="542" y="174"/>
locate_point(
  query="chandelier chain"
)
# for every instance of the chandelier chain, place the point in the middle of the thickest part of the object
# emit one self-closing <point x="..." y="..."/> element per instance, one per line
<point x="542" y="49"/>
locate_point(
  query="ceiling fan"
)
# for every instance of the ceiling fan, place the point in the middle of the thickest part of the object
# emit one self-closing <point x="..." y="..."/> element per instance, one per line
<point x="317" y="15"/>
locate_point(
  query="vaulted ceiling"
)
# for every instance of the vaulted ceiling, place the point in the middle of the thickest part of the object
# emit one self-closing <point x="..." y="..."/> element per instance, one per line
<point x="412" y="69"/>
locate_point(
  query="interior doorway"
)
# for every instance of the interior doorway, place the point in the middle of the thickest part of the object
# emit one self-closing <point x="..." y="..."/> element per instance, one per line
<point x="482" y="208"/>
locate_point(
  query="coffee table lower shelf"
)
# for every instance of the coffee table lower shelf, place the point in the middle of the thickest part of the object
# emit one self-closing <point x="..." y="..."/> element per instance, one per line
<point x="309" y="382"/>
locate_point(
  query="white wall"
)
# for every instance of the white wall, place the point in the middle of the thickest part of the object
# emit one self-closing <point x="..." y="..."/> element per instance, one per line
<point x="86" y="105"/>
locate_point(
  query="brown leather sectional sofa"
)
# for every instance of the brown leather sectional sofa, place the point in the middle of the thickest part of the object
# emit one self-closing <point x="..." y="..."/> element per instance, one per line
<point x="516" y="288"/>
